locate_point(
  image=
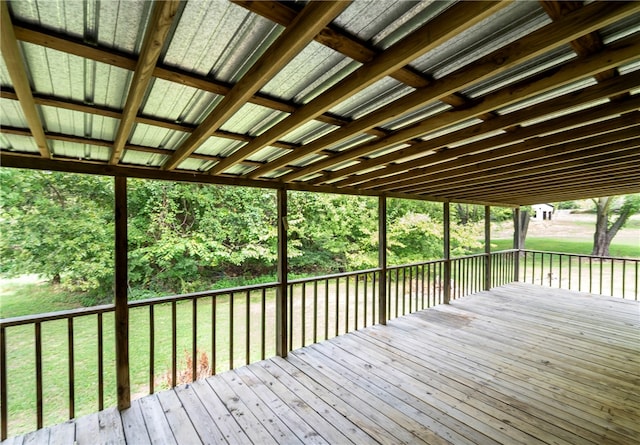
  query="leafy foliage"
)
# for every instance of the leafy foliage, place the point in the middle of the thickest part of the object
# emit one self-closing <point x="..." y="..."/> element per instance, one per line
<point x="190" y="237"/>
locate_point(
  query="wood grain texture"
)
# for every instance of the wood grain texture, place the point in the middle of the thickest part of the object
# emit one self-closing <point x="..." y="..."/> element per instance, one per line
<point x="517" y="364"/>
<point x="15" y="66"/>
<point x="306" y="25"/>
<point x="157" y="31"/>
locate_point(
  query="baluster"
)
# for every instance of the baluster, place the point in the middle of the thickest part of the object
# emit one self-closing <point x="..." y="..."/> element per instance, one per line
<point x="100" y="364"/>
<point x="231" y="330"/>
<point x="263" y="324"/>
<point x="3" y="384"/>
<point x="315" y="311"/>
<point x="194" y="339"/>
<point x="72" y="398"/>
<point x="38" y="329"/>
<point x="303" y="314"/>
<point x="152" y="340"/>
<point x="214" y="324"/>
<point x="247" y="333"/>
<point x="174" y="345"/>
<point x="326" y="309"/>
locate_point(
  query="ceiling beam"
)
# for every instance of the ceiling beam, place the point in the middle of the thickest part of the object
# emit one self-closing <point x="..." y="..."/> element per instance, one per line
<point x="563" y="177"/>
<point x="18" y="74"/>
<point x="114" y="113"/>
<point x="514" y="155"/>
<point x="448" y="24"/>
<point x="69" y="45"/>
<point x="162" y="16"/>
<point x="474" y="175"/>
<point x="306" y="25"/>
<point x="587" y="19"/>
<point x="532" y="132"/>
<point x="18" y="160"/>
<point x="505" y="121"/>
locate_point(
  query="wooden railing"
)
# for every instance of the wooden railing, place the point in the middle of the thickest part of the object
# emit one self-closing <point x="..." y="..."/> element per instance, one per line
<point x="178" y="339"/>
<point x="616" y="277"/>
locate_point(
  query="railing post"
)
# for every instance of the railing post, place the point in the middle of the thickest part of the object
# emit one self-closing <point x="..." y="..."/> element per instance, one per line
<point x="517" y="227"/>
<point x="447" y="252"/>
<point x="382" y="259"/>
<point x="487" y="247"/>
<point x="121" y="285"/>
<point x="281" y="300"/>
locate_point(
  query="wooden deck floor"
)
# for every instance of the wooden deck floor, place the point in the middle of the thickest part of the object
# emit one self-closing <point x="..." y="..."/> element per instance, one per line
<point x="518" y="365"/>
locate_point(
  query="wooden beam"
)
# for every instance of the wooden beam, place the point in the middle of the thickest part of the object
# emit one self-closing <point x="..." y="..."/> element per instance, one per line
<point x="121" y="290"/>
<point x="617" y="54"/>
<point x="81" y="107"/>
<point x="426" y="149"/>
<point x="334" y="38"/>
<point x="451" y="22"/>
<point x="570" y="140"/>
<point x="282" y="347"/>
<point x="526" y="48"/>
<point x="551" y="163"/>
<point x="15" y="66"/>
<point x="600" y="187"/>
<point x="560" y="171"/>
<point x="585" y="169"/>
<point x="382" y="259"/>
<point x="70" y="45"/>
<point x="306" y="25"/>
<point x="621" y="162"/>
<point x="341" y="41"/>
<point x="156" y="33"/>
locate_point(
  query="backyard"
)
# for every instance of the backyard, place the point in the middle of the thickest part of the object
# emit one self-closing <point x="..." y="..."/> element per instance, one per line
<point x="567" y="232"/>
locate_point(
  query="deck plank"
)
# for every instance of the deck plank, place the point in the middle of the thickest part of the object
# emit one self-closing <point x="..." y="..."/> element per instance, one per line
<point x="135" y="430"/>
<point x="63" y="433"/>
<point x="156" y="421"/>
<point x="517" y="364"/>
<point x="180" y="423"/>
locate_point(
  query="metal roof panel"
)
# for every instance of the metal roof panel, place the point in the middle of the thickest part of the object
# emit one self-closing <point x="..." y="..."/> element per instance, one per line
<point x="14" y="142"/>
<point x="178" y="103"/>
<point x="219" y="39"/>
<point x="11" y="114"/>
<point x="371" y="98"/>
<point x="152" y="136"/>
<point x="502" y="28"/>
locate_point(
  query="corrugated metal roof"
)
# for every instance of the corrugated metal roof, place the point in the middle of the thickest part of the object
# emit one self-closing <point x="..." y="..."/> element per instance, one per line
<point x="506" y="26"/>
<point x="315" y="67"/>
<point x="219" y="41"/>
<point x="371" y="98"/>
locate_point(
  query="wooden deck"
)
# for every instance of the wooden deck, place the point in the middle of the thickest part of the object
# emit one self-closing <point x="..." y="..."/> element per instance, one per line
<point x="520" y="364"/>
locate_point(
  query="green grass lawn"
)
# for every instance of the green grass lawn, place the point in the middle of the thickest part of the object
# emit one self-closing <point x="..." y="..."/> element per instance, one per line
<point x="24" y="297"/>
<point x="569" y="246"/>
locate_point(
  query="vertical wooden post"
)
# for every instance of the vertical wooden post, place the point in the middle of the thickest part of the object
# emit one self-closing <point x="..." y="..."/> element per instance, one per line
<point x="382" y="259"/>
<point x="281" y="300"/>
<point x="447" y="251"/>
<point x="517" y="226"/>
<point x="122" y="307"/>
<point x="487" y="247"/>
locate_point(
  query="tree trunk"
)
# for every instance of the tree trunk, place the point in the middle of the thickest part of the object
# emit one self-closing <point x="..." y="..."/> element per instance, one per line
<point x="601" y="239"/>
<point x="525" y="217"/>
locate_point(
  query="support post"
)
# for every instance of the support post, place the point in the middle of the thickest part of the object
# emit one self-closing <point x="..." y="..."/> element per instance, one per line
<point x="282" y="348"/>
<point x="447" y="251"/>
<point x="487" y="247"/>
<point x="121" y="287"/>
<point x="382" y="259"/>
<point x="517" y="227"/>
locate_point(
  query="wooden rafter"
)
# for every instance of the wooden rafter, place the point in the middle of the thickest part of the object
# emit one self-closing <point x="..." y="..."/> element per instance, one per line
<point x="557" y="168"/>
<point x="451" y="22"/>
<point x="532" y="132"/>
<point x="596" y="167"/>
<point x="551" y="157"/>
<point x="155" y="36"/>
<point x="438" y="144"/>
<point x="15" y="66"/>
<point x="514" y="154"/>
<point x="565" y="30"/>
<point x="112" y="57"/>
<point x="306" y="25"/>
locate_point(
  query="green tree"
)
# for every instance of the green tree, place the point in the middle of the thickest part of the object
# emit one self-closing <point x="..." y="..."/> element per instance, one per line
<point x="606" y="228"/>
<point x="59" y="226"/>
